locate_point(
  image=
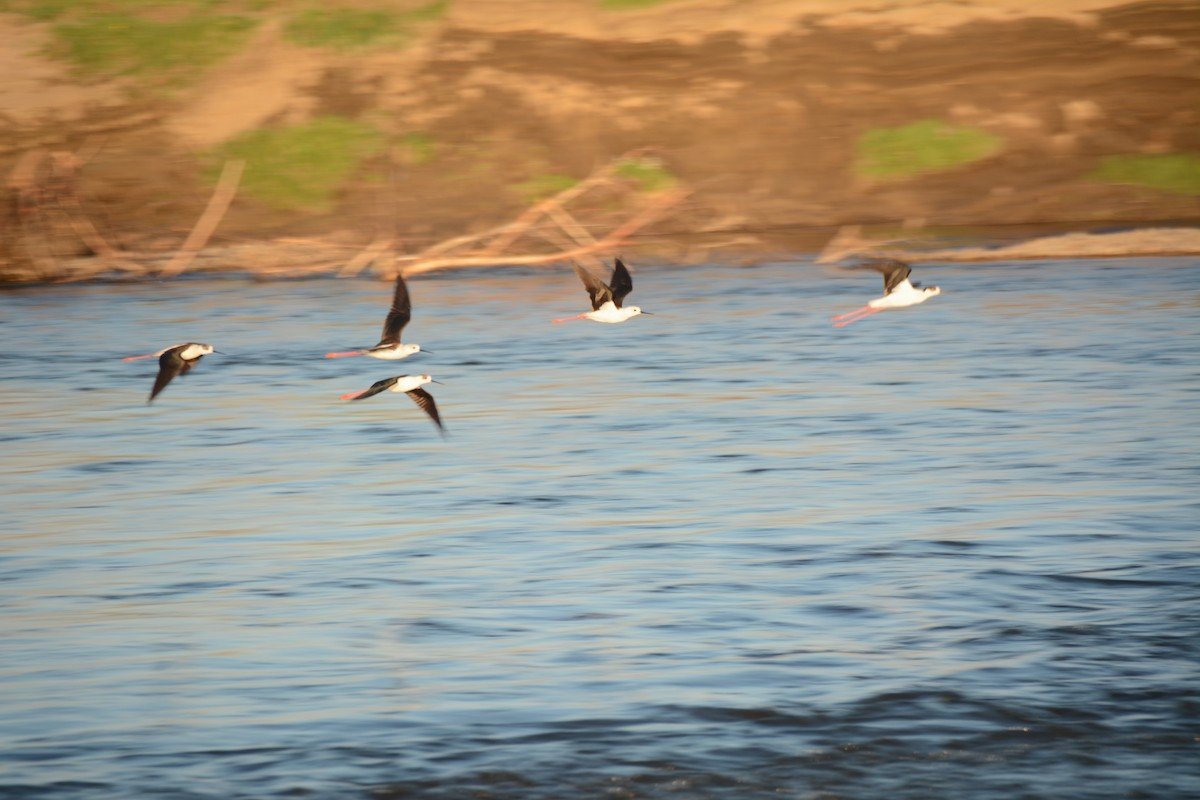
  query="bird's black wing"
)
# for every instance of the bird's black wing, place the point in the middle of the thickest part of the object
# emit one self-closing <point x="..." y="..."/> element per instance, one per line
<point x="377" y="387"/>
<point x="425" y="400"/>
<point x="894" y="272"/>
<point x="597" y="290"/>
<point x="170" y="364"/>
<point x="621" y="283"/>
<point x="398" y="316"/>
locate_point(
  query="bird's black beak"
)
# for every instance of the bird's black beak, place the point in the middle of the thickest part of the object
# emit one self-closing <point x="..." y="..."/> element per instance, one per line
<point x="431" y="380"/>
<point x="219" y="353"/>
<point x="423" y="350"/>
<point x="647" y="314"/>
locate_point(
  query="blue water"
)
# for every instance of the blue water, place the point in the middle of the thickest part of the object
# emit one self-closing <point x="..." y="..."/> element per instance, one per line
<point x="727" y="551"/>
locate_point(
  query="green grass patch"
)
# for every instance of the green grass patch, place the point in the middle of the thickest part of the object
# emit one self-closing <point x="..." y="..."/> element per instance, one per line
<point x="543" y="186"/>
<point x="648" y="173"/>
<point x="356" y="28"/>
<point x="925" y="146"/>
<point x="45" y="10"/>
<point x="417" y="149"/>
<point x="170" y="42"/>
<point x="40" y="10"/>
<point x="126" y="44"/>
<point x="341" y="28"/>
<point x="427" y="13"/>
<point x="301" y="167"/>
<point x="1177" y="173"/>
<point x="630" y="5"/>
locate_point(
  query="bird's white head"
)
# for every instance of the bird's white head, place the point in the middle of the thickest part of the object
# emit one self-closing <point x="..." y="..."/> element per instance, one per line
<point x="392" y="352"/>
<point x="933" y="291"/>
<point x="632" y="311"/>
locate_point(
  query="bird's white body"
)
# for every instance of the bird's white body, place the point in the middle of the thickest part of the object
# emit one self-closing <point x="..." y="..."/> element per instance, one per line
<point x="407" y="383"/>
<point x="898" y="291"/>
<point x="393" y="353"/>
<point x="904" y="295"/>
<point x="611" y="314"/>
<point x="188" y="353"/>
<point x="193" y="351"/>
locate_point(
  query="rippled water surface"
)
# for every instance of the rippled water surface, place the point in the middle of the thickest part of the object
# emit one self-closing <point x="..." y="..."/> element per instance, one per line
<point x="727" y="551"/>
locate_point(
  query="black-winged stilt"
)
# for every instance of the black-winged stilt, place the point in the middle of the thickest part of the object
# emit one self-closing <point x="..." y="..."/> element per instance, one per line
<point x="410" y="385"/>
<point x="389" y="347"/>
<point x="175" y="360"/>
<point x="898" y="292"/>
<point x="607" y="297"/>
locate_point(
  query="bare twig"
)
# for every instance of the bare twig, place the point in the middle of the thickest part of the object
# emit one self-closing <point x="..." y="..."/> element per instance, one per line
<point x="569" y="224"/>
<point x="365" y="257"/>
<point x="573" y="229"/>
<point x="218" y="204"/>
<point x="65" y="173"/>
<point x="418" y="264"/>
<point x="514" y="229"/>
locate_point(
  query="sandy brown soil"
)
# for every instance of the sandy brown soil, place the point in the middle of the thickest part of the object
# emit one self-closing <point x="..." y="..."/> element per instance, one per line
<point x="756" y="104"/>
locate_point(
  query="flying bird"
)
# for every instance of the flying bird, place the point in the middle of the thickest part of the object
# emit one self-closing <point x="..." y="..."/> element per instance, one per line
<point x="898" y="292"/>
<point x="607" y="297"/>
<point x="173" y="361"/>
<point x="410" y="385"/>
<point x="389" y="347"/>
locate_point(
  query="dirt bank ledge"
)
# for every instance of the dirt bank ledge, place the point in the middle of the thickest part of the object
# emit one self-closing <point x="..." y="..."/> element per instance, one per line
<point x="756" y="104"/>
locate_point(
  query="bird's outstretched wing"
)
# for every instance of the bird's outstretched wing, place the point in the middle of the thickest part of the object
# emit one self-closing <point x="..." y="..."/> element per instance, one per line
<point x="170" y="364"/>
<point x="377" y="387"/>
<point x="398" y="316"/>
<point x="894" y="272"/>
<point x="621" y="284"/>
<point x="597" y="290"/>
<point x="425" y="400"/>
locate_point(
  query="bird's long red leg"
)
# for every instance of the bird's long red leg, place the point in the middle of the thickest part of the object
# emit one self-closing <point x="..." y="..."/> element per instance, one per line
<point x="135" y="358"/>
<point x="865" y="313"/>
<point x="849" y="320"/>
<point x="353" y="395"/>
<point x="852" y="313"/>
<point x="343" y="355"/>
<point x="568" y="319"/>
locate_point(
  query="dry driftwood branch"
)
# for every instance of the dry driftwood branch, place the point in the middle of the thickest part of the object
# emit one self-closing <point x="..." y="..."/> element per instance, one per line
<point x="497" y="245"/>
<point x="661" y="204"/>
<point x="600" y="177"/>
<point x="64" y="169"/>
<point x="506" y="234"/>
<point x="569" y="224"/>
<point x="849" y="241"/>
<point x="218" y="204"/>
<point x="575" y="231"/>
<point x="365" y="257"/>
<point x="47" y="218"/>
<point x="513" y="230"/>
<point x="556" y="238"/>
<point x="26" y="220"/>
